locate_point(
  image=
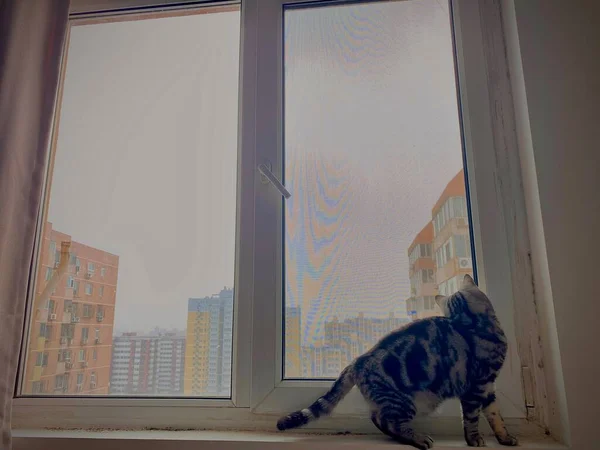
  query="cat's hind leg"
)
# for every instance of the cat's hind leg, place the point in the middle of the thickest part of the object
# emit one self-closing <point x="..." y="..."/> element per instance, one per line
<point x="393" y="414"/>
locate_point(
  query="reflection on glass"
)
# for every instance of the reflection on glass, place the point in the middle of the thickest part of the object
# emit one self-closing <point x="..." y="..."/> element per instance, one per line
<point x="377" y="222"/>
<point x="134" y="287"/>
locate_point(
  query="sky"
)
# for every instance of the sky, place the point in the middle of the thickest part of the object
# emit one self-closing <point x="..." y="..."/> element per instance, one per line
<point x="147" y="146"/>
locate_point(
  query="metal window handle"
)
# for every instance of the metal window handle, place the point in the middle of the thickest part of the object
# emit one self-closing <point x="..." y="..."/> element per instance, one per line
<point x="268" y="177"/>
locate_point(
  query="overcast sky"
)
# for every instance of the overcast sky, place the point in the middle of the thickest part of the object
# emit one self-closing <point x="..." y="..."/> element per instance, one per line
<point x="146" y="155"/>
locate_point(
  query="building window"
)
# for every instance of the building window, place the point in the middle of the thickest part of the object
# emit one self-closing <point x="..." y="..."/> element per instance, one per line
<point x="91" y="267"/>
<point x="48" y="273"/>
<point x="68" y="307"/>
<point x="42" y="359"/>
<point x="61" y="382"/>
<point x="88" y="310"/>
<point x="46" y="331"/>
<point x="52" y="252"/>
<point x="101" y="290"/>
<point x="102" y="272"/>
<point x="84" y="334"/>
<point x="89" y="289"/>
<point x="70" y="281"/>
<point x="81" y="355"/>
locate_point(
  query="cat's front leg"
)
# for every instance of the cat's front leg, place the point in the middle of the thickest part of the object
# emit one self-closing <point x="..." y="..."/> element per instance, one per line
<point x="471" y="407"/>
<point x="494" y="418"/>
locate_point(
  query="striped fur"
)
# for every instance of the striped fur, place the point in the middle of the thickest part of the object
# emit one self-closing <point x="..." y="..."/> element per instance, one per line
<point x="412" y="370"/>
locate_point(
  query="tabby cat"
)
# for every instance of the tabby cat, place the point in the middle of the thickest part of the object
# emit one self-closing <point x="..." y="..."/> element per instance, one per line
<point x="413" y="369"/>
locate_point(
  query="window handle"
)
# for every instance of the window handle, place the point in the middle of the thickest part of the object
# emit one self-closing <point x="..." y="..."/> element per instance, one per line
<point x="268" y="177"/>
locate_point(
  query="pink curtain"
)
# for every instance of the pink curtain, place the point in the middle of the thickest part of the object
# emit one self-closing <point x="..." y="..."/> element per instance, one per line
<point x="32" y="34"/>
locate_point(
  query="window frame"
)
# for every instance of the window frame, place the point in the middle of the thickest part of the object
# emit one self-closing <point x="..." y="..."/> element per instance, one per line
<point x="256" y="356"/>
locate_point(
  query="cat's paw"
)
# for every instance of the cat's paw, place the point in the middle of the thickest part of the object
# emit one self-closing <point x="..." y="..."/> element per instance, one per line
<point x="507" y="440"/>
<point x="475" y="440"/>
<point x="422" y="442"/>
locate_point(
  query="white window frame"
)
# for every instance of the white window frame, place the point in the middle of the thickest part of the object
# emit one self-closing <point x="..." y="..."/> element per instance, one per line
<point x="257" y="386"/>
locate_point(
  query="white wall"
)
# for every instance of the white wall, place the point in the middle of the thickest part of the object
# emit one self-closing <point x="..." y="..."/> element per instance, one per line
<point x="556" y="84"/>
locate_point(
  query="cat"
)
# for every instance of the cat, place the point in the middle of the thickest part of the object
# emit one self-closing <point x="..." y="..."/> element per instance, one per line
<point x="413" y="369"/>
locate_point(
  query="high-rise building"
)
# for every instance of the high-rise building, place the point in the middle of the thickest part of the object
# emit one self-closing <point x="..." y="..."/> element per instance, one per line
<point x="293" y="350"/>
<point x="209" y="345"/>
<point x="148" y="364"/>
<point x="423" y="287"/>
<point x="72" y="320"/>
<point x="440" y="255"/>
<point x="451" y="242"/>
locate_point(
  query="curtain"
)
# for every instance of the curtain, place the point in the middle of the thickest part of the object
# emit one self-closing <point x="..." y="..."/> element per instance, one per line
<point x="32" y="33"/>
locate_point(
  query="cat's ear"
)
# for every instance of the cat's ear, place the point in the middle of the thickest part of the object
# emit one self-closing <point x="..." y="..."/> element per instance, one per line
<point x="468" y="281"/>
<point x="440" y="300"/>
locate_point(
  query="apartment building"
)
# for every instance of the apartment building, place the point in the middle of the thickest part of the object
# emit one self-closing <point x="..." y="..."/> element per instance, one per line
<point x="440" y="255"/>
<point x="422" y="269"/>
<point x="209" y="345"/>
<point x="151" y="364"/>
<point x="72" y="318"/>
<point x="451" y="242"/>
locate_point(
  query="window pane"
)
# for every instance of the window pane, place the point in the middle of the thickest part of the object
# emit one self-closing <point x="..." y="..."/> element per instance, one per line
<point x="372" y="157"/>
<point x="142" y="204"/>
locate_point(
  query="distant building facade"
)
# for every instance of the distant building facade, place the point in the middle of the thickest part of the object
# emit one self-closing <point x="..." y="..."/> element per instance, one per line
<point x="70" y="339"/>
<point x="209" y="345"/>
<point x="148" y="364"/>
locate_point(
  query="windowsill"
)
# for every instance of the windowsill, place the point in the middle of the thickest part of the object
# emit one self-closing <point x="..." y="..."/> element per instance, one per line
<point x="234" y="440"/>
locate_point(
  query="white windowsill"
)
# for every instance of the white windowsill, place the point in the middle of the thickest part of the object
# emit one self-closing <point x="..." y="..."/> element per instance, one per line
<point x="198" y="440"/>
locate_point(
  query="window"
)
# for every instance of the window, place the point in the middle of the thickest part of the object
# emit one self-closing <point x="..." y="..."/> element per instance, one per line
<point x="64" y="355"/>
<point x="427" y="276"/>
<point x="61" y="382"/>
<point x="48" y="273"/>
<point x="77" y="265"/>
<point x="67" y="331"/>
<point x="367" y="142"/>
<point x="184" y="133"/>
<point x="42" y="359"/>
<point x="88" y="310"/>
<point x="68" y="306"/>
<point x="52" y="252"/>
<point x="80" y="379"/>
<point x="46" y="331"/>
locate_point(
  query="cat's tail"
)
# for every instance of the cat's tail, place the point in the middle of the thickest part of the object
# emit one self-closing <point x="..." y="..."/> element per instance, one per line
<point x="324" y="405"/>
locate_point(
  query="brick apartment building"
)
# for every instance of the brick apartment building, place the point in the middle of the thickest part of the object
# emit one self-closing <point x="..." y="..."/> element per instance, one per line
<point x="70" y="338"/>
